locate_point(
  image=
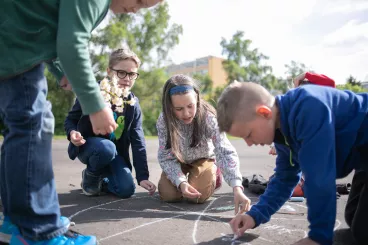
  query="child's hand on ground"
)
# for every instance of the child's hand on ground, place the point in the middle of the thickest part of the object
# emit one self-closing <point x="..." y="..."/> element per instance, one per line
<point x="149" y="186"/>
<point x="241" y="199"/>
<point x="306" y="241"/>
<point x="189" y="191"/>
<point x="76" y="138"/>
<point x="241" y="223"/>
<point x="103" y="121"/>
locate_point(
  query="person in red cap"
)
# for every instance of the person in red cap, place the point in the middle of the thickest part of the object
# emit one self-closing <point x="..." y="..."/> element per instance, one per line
<point x="313" y="78"/>
<point x="303" y="79"/>
<point x="308" y="78"/>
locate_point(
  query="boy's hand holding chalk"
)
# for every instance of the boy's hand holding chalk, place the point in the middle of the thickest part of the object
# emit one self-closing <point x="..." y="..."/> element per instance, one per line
<point x="241" y="222"/>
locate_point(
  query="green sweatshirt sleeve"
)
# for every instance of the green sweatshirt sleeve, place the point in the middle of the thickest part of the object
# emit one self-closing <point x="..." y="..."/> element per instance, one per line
<point x="54" y="67"/>
<point x="77" y="19"/>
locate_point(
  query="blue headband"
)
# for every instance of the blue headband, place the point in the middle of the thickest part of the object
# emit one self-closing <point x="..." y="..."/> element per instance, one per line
<point x="180" y="89"/>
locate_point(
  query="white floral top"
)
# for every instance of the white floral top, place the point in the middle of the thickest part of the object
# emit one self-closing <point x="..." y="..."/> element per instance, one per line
<point x="214" y="146"/>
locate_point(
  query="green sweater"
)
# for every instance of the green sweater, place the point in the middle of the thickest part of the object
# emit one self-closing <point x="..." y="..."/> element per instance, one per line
<point x="56" y="32"/>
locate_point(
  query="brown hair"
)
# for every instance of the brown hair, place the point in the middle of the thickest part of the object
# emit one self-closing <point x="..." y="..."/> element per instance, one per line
<point x="238" y="101"/>
<point x="123" y="54"/>
<point x="171" y="122"/>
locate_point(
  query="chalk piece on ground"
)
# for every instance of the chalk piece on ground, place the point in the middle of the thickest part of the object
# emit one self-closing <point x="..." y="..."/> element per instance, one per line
<point x="296" y="199"/>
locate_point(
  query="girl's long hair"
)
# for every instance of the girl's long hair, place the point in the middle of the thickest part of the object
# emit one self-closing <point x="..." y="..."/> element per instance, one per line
<point x="172" y="123"/>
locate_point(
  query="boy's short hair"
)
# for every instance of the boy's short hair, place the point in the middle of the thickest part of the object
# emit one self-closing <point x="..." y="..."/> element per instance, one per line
<point x="238" y="101"/>
<point x="123" y="54"/>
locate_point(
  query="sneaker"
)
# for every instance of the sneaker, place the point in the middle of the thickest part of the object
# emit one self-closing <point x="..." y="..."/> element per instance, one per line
<point x="69" y="238"/>
<point x="104" y="186"/>
<point x="8" y="227"/>
<point x="91" y="183"/>
<point x="218" y="179"/>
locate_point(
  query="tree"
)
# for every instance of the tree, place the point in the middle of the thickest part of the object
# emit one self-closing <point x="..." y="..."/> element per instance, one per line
<point x="147" y="33"/>
<point x="61" y="101"/>
<point x="353" y="81"/>
<point x="150" y="36"/>
<point x="294" y="68"/>
<point x="245" y="64"/>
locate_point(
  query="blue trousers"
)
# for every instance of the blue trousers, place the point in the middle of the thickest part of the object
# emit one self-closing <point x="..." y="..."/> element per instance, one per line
<point x="101" y="158"/>
<point x="27" y="180"/>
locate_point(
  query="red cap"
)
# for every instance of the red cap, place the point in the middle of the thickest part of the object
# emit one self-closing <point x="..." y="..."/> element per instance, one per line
<point x="320" y="79"/>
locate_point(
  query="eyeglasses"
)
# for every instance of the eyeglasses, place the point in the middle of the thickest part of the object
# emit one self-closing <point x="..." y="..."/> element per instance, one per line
<point x="122" y="74"/>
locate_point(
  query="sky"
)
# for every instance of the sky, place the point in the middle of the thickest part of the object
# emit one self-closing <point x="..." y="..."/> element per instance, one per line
<point x="328" y="36"/>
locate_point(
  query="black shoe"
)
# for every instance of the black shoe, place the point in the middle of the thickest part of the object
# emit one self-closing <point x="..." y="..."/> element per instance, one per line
<point x="91" y="183"/>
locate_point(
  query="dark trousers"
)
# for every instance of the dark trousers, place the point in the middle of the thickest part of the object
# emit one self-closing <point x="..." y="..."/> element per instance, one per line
<point x="356" y="210"/>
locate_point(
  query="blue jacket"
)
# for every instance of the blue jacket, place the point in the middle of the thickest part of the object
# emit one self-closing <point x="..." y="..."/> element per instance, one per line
<point x="321" y="126"/>
<point x="132" y="135"/>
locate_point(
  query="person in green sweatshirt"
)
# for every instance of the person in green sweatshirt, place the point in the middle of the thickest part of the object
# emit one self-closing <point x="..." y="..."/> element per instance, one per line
<point x="34" y="34"/>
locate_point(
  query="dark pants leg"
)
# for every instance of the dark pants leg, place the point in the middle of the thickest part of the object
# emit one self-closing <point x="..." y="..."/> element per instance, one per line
<point x="120" y="180"/>
<point x="101" y="158"/>
<point x="356" y="210"/>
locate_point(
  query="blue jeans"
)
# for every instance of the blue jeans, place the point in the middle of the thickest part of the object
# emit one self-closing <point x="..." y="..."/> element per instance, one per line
<point x="27" y="179"/>
<point x="101" y="158"/>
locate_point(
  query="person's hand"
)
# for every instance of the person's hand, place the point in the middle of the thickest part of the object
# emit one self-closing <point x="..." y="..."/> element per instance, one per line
<point x="240" y="223"/>
<point x="189" y="191"/>
<point x="149" y="186"/>
<point x="306" y="241"/>
<point x="64" y="84"/>
<point x="76" y="138"/>
<point x="240" y="199"/>
<point x="298" y="79"/>
<point x="103" y="121"/>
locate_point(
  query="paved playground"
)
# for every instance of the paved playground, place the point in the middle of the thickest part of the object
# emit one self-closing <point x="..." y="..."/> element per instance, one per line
<point x="144" y="219"/>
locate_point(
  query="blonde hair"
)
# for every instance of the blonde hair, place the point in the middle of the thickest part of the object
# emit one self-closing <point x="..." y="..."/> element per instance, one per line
<point x="171" y="122"/>
<point x="123" y="54"/>
<point x="238" y="101"/>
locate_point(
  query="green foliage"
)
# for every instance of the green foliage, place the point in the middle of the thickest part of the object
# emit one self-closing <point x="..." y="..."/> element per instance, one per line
<point x="352" y="84"/>
<point x="354" y="88"/>
<point x="243" y="63"/>
<point x="148" y="88"/>
<point x="353" y="81"/>
<point x="61" y="101"/>
<point x="150" y="36"/>
<point x="147" y="33"/>
<point x="294" y="69"/>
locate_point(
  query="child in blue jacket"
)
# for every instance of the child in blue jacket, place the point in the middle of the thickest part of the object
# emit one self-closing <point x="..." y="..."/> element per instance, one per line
<point x="108" y="166"/>
<point x="317" y="130"/>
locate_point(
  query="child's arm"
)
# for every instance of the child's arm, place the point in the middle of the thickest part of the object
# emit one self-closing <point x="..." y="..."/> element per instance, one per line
<point x="226" y="156"/>
<point x="77" y="19"/>
<point x="279" y="189"/>
<point x="138" y="145"/>
<point x="71" y="120"/>
<point x="315" y="129"/>
<point x="168" y="162"/>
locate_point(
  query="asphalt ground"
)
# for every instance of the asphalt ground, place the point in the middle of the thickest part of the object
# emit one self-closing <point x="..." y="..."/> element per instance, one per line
<point x="144" y="219"/>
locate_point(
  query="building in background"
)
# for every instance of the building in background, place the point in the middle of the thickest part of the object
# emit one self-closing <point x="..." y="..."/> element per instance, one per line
<point x="210" y="65"/>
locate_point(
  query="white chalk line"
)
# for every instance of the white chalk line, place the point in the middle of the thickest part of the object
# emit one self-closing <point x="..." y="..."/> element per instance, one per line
<point x="140" y="226"/>
<point x="194" y="233"/>
<point x="183" y="214"/>
<point x="337" y="221"/>
<point x="96" y="206"/>
<point x="207" y="215"/>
